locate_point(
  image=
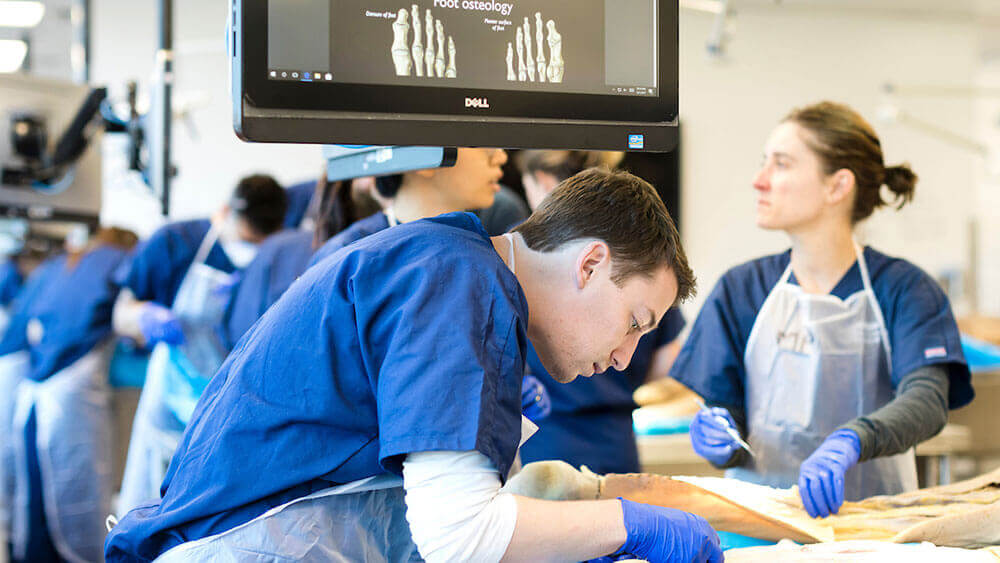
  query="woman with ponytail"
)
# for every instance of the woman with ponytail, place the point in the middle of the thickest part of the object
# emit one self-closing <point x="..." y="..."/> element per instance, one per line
<point x="832" y="360"/>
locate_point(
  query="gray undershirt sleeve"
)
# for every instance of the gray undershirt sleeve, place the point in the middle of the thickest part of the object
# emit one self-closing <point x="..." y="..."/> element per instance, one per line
<point x="919" y="412"/>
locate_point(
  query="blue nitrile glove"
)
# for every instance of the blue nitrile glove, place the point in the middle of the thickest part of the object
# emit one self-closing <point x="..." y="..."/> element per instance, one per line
<point x="225" y="288"/>
<point x="158" y="324"/>
<point x="661" y="535"/>
<point x="709" y="437"/>
<point x="821" y="475"/>
<point x="535" y="402"/>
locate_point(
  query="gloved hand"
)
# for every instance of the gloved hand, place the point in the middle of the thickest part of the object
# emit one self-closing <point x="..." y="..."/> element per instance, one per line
<point x="821" y="475"/>
<point x="709" y="437"/>
<point x="225" y="288"/>
<point x="158" y="324"/>
<point x="661" y="535"/>
<point x="535" y="402"/>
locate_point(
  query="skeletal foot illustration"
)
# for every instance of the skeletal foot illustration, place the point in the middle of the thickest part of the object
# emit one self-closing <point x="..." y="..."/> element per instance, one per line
<point x="451" y="71"/>
<point x="418" y="40"/>
<point x="522" y="74"/>
<point x="555" y="68"/>
<point x="527" y="50"/>
<point x="439" y="57"/>
<point x="510" y="62"/>
<point x="540" y="41"/>
<point x="400" y="53"/>
<point x="429" y="45"/>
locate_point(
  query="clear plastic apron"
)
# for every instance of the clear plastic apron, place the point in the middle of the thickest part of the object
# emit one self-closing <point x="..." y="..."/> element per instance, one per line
<point x="813" y="363"/>
<point x="13" y="368"/>
<point x="360" y="522"/>
<point x="175" y="379"/>
<point x="363" y="521"/>
<point x="4" y="320"/>
<point x="73" y="421"/>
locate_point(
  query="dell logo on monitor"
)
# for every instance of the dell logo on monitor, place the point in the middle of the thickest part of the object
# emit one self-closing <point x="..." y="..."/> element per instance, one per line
<point x="477" y="103"/>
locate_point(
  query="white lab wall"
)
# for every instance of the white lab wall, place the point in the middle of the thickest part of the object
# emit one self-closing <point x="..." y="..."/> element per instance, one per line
<point x="778" y="59"/>
<point x="987" y="203"/>
<point x="210" y="162"/>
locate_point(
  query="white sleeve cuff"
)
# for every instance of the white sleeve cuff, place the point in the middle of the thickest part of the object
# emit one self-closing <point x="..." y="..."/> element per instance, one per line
<point x="455" y="508"/>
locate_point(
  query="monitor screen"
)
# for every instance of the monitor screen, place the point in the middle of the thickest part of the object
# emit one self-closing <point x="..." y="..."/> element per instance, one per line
<point x="584" y="74"/>
<point x="603" y="47"/>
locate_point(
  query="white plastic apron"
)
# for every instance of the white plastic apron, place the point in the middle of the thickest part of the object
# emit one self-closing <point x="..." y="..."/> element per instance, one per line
<point x="360" y="522"/>
<point x="175" y="379"/>
<point x="73" y="421"/>
<point x="4" y="320"/>
<point x="13" y="368"/>
<point x="814" y="363"/>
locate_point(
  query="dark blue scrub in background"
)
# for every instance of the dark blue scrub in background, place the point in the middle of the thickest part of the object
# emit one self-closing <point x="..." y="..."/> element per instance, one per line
<point x="368" y="226"/>
<point x="10" y="282"/>
<point x="299" y="197"/>
<point x="591" y="419"/>
<point x="411" y="340"/>
<point x="71" y="305"/>
<point x="922" y="330"/>
<point x="280" y="260"/>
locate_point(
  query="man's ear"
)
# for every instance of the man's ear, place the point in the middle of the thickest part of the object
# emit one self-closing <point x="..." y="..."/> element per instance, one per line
<point x="592" y="257"/>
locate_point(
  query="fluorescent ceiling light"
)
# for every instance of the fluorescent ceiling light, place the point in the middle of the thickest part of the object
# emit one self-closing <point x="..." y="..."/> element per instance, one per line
<point x="710" y="6"/>
<point x="21" y="13"/>
<point x="12" y="53"/>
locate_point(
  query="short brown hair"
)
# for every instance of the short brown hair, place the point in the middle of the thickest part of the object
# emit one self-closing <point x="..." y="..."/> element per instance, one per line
<point x="620" y="209"/>
<point x="842" y="139"/>
<point x="562" y="163"/>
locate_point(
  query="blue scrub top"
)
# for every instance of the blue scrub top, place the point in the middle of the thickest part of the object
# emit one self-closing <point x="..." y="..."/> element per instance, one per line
<point x="299" y="197"/>
<point x="411" y="340"/>
<point x="73" y="305"/>
<point x="10" y="282"/>
<point x="360" y="229"/>
<point x="591" y="420"/>
<point x="280" y="260"/>
<point x="157" y="268"/>
<point x="922" y="329"/>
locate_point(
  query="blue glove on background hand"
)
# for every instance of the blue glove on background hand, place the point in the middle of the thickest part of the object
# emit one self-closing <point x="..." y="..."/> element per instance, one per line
<point x="535" y="402"/>
<point x="709" y="437"/>
<point x="661" y="535"/>
<point x="225" y="288"/>
<point x="821" y="475"/>
<point x="158" y="324"/>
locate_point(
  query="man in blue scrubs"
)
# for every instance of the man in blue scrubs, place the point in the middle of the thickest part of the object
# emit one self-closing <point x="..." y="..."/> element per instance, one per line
<point x="374" y="412"/>
<point x="284" y="256"/>
<point x="175" y="290"/>
<point x="10" y="284"/>
<point x="591" y="419"/>
<point x="60" y="430"/>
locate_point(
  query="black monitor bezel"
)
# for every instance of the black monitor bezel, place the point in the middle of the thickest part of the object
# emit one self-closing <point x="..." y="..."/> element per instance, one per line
<point x="262" y="92"/>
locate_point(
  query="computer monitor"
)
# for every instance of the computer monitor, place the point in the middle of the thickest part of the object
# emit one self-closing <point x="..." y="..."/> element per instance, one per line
<point x="583" y="74"/>
<point x="62" y="110"/>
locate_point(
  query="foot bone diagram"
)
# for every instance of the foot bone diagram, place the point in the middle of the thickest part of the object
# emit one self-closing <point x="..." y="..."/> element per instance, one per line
<point x="426" y="55"/>
<point x="551" y="69"/>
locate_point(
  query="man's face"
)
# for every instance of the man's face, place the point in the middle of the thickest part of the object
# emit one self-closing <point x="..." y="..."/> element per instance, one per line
<point x="592" y="324"/>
